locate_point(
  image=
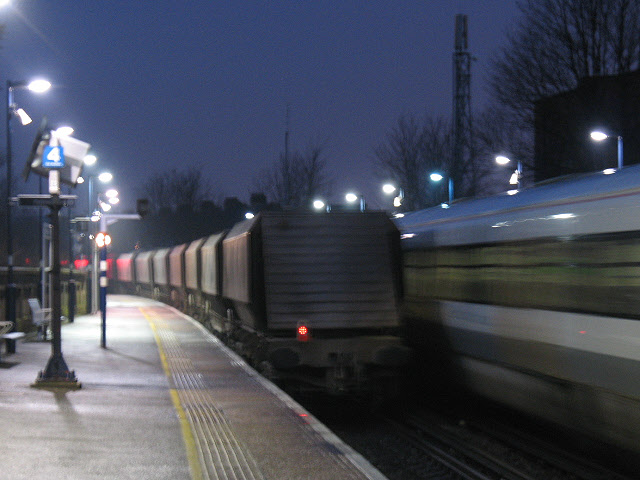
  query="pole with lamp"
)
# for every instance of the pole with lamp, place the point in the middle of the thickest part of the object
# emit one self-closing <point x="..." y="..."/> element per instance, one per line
<point x="599" y="136"/>
<point x="59" y="158"/>
<point x="94" y="215"/>
<point x="437" y="177"/>
<point x="353" y="198"/>
<point x="103" y="240"/>
<point x="37" y="86"/>
<point x="517" y="174"/>
<point x="390" y="189"/>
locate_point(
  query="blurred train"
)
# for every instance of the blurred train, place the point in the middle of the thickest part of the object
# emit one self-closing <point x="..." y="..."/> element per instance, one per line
<point x="309" y="298"/>
<point x="533" y="299"/>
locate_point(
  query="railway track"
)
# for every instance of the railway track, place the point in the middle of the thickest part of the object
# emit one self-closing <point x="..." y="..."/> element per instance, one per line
<point x="432" y="444"/>
<point x="473" y="452"/>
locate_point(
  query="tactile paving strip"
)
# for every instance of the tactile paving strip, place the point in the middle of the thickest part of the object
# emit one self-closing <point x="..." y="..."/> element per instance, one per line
<point x="221" y="454"/>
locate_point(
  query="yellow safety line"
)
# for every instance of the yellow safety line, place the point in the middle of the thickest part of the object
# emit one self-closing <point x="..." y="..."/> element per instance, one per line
<point x="185" y="426"/>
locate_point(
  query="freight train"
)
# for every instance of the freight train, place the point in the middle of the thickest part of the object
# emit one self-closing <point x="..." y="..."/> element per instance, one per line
<point x="532" y="299"/>
<point x="306" y="298"/>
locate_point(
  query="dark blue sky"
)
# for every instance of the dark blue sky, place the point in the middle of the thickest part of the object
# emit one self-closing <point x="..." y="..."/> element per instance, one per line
<point x="154" y="84"/>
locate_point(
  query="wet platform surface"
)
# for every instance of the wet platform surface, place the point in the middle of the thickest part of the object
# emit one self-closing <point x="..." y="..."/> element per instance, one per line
<point x="164" y="400"/>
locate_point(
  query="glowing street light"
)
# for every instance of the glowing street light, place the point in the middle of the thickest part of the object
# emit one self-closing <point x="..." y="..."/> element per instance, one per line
<point x="319" y="204"/>
<point x="517" y="174"/>
<point x="437" y="177"/>
<point x="38" y="86"/>
<point x="390" y="189"/>
<point x="599" y="136"/>
<point x="353" y="198"/>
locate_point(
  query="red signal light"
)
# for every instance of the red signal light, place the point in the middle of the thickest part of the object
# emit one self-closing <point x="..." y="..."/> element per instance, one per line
<point x="303" y="333"/>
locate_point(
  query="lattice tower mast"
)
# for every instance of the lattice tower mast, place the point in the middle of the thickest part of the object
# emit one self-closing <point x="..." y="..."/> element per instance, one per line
<point x="462" y="124"/>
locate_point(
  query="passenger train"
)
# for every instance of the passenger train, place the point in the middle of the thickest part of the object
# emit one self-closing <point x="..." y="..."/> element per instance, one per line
<point x="305" y="297"/>
<point x="533" y="299"/>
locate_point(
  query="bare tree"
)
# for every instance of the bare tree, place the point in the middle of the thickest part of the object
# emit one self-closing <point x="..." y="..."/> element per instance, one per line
<point x="174" y="188"/>
<point x="410" y="152"/>
<point x="295" y="179"/>
<point x="559" y="42"/>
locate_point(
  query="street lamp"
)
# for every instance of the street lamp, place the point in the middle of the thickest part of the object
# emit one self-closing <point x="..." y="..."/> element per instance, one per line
<point x="437" y="177"/>
<point x="319" y="204"/>
<point x="94" y="216"/>
<point x="517" y="175"/>
<point x="599" y="136"/>
<point x="390" y="189"/>
<point x="37" y="86"/>
<point x="353" y="198"/>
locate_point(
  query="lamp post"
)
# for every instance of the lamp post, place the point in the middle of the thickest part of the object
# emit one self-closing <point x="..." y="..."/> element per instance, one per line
<point x="517" y="175"/>
<point x="94" y="216"/>
<point x="38" y="86"/>
<point x="390" y="189"/>
<point x="437" y="177"/>
<point x="352" y="198"/>
<point x="599" y="136"/>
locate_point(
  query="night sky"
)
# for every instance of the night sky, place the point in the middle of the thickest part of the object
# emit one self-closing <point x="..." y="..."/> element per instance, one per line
<point x="155" y="84"/>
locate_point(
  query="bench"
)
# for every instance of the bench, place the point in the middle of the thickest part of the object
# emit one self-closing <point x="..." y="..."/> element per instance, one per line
<point x="9" y="338"/>
<point x="41" y="317"/>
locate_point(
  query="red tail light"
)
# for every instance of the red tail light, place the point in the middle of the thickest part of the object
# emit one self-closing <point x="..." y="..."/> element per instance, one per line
<point x="303" y="334"/>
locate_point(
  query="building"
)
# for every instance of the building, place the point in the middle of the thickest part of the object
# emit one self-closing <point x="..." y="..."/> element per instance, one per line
<point x="563" y="123"/>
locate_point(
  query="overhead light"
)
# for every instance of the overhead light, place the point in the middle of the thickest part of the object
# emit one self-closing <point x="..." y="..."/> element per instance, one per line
<point x="24" y="117"/>
<point x="318" y="204"/>
<point x="39" y="86"/>
<point x="64" y="131"/>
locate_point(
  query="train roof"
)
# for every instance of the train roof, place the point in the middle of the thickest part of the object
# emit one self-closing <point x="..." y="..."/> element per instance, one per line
<point x="581" y="204"/>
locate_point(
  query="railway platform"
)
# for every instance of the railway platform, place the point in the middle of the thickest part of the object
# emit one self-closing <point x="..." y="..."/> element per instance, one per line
<point x="164" y="400"/>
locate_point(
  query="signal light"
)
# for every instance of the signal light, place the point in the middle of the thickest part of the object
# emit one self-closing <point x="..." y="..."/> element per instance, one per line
<point x="303" y="333"/>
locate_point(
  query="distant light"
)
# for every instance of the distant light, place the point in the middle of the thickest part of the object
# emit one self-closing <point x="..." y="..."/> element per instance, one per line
<point x="512" y="192"/>
<point x="95" y="216"/>
<point x="112" y="192"/>
<point x="502" y="160"/>
<point x="90" y="159"/>
<point x="609" y="171"/>
<point x="436" y="177"/>
<point x="24" y="117"/>
<point x="80" y="180"/>
<point x="249" y="215"/>
<point x="64" y="131"/>
<point x="318" y="204"/>
<point x="398" y="215"/>
<point x="598" y="136"/>
<point x="105" y="177"/>
<point x="105" y="206"/>
<point x="351" y="197"/>
<point x="397" y="202"/>
<point x="514" y="178"/>
<point x="114" y="200"/>
<point x="103" y="239"/>
<point x="444" y="205"/>
<point x="407" y="235"/>
<point x="388" y="188"/>
<point x="39" y="86"/>
<point x="81" y="263"/>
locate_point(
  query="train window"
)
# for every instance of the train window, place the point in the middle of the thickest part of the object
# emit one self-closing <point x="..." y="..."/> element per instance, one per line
<point x="596" y="274"/>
